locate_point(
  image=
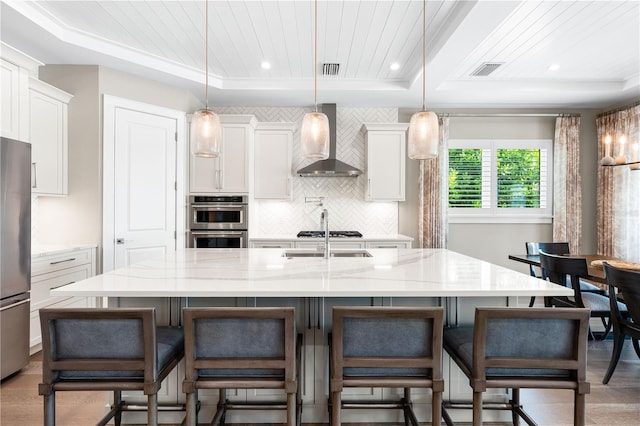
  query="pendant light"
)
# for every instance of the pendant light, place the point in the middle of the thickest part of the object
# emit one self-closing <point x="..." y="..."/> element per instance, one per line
<point x="423" y="127"/>
<point x="314" y="134"/>
<point x="206" y="131"/>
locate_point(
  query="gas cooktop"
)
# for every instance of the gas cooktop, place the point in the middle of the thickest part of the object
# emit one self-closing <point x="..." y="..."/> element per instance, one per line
<point x="332" y="234"/>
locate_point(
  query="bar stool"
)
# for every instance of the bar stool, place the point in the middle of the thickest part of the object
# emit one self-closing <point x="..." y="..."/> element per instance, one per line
<point x="388" y="347"/>
<point x="106" y="349"/>
<point x="241" y="348"/>
<point x="520" y="348"/>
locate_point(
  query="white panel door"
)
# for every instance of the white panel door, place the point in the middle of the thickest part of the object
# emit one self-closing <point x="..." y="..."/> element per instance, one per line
<point x="145" y="183"/>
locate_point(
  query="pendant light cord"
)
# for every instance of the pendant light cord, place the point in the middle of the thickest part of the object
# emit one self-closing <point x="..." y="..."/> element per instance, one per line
<point x="315" y="57"/>
<point x="206" y="54"/>
<point x="424" y="50"/>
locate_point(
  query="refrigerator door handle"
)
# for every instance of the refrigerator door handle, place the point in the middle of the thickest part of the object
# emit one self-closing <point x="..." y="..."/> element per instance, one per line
<point x="34" y="175"/>
<point x="22" y="302"/>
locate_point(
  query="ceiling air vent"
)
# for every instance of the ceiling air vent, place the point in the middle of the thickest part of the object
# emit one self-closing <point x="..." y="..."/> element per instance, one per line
<point x="330" y="69"/>
<point x="486" y="69"/>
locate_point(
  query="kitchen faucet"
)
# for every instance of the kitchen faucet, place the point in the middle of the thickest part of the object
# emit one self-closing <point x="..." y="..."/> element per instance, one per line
<point x="324" y="216"/>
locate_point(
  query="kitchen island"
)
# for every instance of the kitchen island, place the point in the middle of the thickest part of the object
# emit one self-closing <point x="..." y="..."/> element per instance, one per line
<point x="313" y="285"/>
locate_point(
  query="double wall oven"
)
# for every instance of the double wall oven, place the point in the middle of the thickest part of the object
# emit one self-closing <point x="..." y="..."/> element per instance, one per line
<point x="218" y="221"/>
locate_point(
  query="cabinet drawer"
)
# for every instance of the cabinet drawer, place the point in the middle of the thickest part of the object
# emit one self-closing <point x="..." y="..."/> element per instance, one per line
<point x="274" y="244"/>
<point x="43" y="283"/>
<point x="60" y="261"/>
<point x="388" y="244"/>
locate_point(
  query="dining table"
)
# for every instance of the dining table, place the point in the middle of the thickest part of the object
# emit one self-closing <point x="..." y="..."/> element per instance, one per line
<point x="594" y="265"/>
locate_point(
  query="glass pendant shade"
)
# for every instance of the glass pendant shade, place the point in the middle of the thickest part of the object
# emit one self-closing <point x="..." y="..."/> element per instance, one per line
<point x="206" y="133"/>
<point x="315" y="136"/>
<point x="423" y="136"/>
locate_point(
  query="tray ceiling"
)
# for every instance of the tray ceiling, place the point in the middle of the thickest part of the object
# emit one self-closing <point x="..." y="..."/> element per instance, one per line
<point x="595" y="44"/>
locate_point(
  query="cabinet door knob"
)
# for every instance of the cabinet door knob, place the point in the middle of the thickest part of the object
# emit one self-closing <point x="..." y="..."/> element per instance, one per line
<point x="119" y="240"/>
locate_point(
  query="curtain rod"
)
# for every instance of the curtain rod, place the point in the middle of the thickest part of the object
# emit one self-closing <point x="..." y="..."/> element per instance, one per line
<point x="507" y="115"/>
<point x="613" y="111"/>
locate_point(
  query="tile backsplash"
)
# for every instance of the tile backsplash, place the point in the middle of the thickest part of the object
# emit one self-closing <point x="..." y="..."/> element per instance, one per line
<point x="343" y="196"/>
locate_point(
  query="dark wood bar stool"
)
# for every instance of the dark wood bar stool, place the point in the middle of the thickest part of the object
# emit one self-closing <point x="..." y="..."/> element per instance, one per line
<point x="242" y="348"/>
<point x="521" y="348"/>
<point x="628" y="283"/>
<point x="106" y="349"/>
<point x="386" y="347"/>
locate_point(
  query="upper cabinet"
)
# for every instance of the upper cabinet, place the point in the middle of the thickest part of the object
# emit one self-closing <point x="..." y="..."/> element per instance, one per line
<point x="229" y="172"/>
<point x="48" y="136"/>
<point x="385" y="146"/>
<point x="35" y="112"/>
<point x="273" y="148"/>
<point x="15" y="70"/>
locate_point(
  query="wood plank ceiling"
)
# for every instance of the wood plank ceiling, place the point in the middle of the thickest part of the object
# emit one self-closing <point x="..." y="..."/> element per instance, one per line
<point x="596" y="45"/>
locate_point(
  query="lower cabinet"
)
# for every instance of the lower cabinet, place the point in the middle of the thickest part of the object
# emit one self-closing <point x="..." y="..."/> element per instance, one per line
<point x="52" y="271"/>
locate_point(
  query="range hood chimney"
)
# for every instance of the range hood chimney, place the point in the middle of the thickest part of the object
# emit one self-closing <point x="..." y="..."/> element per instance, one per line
<point x="330" y="167"/>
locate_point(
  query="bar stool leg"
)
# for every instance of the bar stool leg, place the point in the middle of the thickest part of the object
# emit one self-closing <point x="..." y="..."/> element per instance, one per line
<point x="436" y="408"/>
<point x="192" y="414"/>
<point x="50" y="409"/>
<point x="515" y="402"/>
<point x="580" y="409"/>
<point x="335" y="409"/>
<point x="477" y="408"/>
<point x="152" y="410"/>
<point x="117" y="402"/>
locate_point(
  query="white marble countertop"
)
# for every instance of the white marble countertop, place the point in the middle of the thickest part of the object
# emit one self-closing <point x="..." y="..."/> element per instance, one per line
<point x="39" y="250"/>
<point x="266" y="273"/>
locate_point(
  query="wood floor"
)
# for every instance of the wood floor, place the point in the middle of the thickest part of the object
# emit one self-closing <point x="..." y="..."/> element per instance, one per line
<point x="615" y="404"/>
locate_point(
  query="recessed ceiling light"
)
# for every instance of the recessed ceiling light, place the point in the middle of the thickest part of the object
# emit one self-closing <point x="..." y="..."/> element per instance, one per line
<point x="265" y="65"/>
<point x="554" y="67"/>
<point x="395" y="66"/>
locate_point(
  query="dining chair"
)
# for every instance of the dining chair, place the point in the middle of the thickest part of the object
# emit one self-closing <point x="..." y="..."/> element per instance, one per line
<point x="511" y="348"/>
<point x="567" y="271"/>
<point x="554" y="248"/>
<point x="628" y="283"/>
<point x="106" y="349"/>
<point x="242" y="348"/>
<point x="386" y="347"/>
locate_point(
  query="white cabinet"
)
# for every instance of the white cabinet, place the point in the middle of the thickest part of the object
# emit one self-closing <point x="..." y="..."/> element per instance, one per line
<point x="229" y="172"/>
<point x="319" y="242"/>
<point x="273" y="148"/>
<point x="48" y="136"/>
<point x="52" y="271"/>
<point x="15" y="69"/>
<point x="385" y="150"/>
<point x="394" y="244"/>
<point x="271" y="244"/>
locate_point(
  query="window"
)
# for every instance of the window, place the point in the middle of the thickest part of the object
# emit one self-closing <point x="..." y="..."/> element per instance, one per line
<point x="500" y="180"/>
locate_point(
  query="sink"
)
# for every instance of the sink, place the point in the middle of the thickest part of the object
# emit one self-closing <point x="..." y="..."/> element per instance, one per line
<point x="333" y="253"/>
<point x="350" y="253"/>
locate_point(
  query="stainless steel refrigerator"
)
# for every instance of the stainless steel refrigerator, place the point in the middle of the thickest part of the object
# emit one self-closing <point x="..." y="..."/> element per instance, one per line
<point x="15" y="254"/>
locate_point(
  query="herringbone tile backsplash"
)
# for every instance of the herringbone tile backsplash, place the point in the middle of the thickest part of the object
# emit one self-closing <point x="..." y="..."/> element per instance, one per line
<point x="343" y="197"/>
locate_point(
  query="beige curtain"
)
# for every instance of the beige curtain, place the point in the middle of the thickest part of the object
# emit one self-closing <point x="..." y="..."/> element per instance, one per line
<point x="619" y="188"/>
<point x="567" y="190"/>
<point x="434" y="194"/>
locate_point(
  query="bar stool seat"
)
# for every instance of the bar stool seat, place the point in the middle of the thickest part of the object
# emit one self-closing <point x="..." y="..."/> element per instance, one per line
<point x="386" y="347"/>
<point x="106" y="349"/>
<point x="520" y="348"/>
<point x="245" y="348"/>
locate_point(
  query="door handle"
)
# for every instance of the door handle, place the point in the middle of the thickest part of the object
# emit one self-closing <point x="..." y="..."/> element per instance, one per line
<point x="119" y="240"/>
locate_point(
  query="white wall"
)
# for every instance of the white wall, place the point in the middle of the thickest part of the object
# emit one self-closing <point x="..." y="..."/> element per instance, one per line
<point x="77" y="218"/>
<point x="343" y="196"/>
<point x="493" y="242"/>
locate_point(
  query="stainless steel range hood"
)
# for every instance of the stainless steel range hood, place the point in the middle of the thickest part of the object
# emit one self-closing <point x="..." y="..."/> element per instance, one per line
<point x="331" y="167"/>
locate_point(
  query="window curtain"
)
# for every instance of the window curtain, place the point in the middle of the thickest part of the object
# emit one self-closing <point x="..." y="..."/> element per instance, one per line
<point x="619" y="188"/>
<point x="567" y="190"/>
<point x="434" y="190"/>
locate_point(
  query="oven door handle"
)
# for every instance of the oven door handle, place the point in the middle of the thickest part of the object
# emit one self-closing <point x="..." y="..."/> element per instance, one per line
<point x="218" y="207"/>
<point x="218" y="233"/>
